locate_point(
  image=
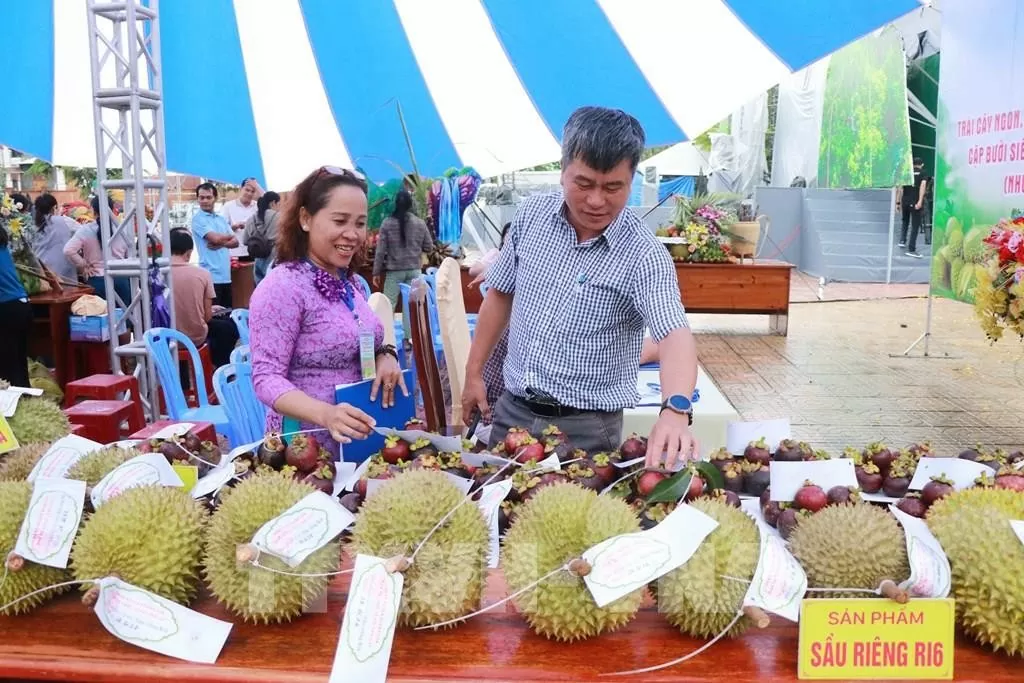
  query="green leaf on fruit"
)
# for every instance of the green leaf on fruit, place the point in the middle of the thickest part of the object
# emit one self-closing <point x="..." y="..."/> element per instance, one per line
<point x="712" y="476"/>
<point x="671" y="490"/>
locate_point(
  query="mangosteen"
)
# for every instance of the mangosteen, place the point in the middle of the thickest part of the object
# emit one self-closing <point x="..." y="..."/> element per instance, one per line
<point x="896" y="485"/>
<point x="757" y="452"/>
<point x="633" y="447"/>
<point x="422" y="447"/>
<point x="727" y="497"/>
<point x="732" y="477"/>
<point x="787" y="521"/>
<point x="869" y="478"/>
<point x="789" y="450"/>
<point x="351" y="502"/>
<point x="173" y="451"/>
<point x="192" y="442"/>
<point x="838" y="495"/>
<point x="604" y="468"/>
<point x="653" y="514"/>
<point x="272" y="451"/>
<point x="755" y="481"/>
<point x="882" y="456"/>
<point x="912" y="505"/>
<point x="584" y="474"/>
<point x="971" y="453"/>
<point x="721" y="459"/>
<point x="771" y="511"/>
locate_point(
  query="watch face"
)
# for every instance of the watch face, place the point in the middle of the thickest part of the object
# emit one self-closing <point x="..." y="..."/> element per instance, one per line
<point x="679" y="402"/>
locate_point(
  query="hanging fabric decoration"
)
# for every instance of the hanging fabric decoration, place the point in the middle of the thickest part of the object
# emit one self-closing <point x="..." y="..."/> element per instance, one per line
<point x="450" y="195"/>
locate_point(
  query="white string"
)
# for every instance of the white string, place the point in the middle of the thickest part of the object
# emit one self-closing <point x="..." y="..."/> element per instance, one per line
<point x="7" y="570"/>
<point x="693" y="654"/>
<point x="451" y="512"/>
<point x="256" y="563"/>
<point x="46" y="589"/>
<point x="619" y="480"/>
<point x="519" y="592"/>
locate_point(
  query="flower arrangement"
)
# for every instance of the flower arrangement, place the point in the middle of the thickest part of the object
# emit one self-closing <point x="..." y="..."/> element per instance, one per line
<point x="702" y="223"/>
<point x="17" y="223"/>
<point x="999" y="294"/>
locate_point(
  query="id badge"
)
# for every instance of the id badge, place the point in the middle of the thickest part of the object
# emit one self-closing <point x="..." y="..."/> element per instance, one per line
<point x="367" y="357"/>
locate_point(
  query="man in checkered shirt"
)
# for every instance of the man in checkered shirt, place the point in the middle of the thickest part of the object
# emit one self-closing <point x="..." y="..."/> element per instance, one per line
<point x="578" y="280"/>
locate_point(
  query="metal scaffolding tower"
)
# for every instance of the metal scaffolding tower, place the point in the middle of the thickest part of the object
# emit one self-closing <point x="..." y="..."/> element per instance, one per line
<point x="127" y="87"/>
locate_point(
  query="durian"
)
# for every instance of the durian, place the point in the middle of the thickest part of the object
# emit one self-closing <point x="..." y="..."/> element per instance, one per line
<point x="974" y="243"/>
<point x="38" y="420"/>
<point x="850" y="546"/>
<point x="447" y="577"/>
<point x="98" y="464"/>
<point x="696" y="598"/>
<point x="14" y="500"/>
<point x="18" y="465"/>
<point x="556" y="526"/>
<point x="987" y="560"/>
<point x="254" y="593"/>
<point x="149" y="536"/>
<point x="954" y="236"/>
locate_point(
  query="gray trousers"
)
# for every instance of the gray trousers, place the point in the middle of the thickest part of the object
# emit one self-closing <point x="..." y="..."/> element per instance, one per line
<point x="592" y="432"/>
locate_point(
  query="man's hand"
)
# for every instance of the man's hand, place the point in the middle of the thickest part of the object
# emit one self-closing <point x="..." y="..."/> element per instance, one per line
<point x="917" y="207"/>
<point x="670" y="441"/>
<point x="378" y="282"/>
<point x="474" y="396"/>
<point x="477" y="280"/>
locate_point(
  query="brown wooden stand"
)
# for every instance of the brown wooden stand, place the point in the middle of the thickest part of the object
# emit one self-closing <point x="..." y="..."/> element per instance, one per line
<point x="760" y="287"/>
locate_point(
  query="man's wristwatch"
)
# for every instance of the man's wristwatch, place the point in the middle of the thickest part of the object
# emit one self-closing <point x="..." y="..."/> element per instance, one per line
<point x="678" y="403"/>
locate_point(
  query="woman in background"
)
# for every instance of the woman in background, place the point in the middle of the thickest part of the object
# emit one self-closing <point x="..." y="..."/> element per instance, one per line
<point x="85" y="251"/>
<point x="52" y="234"/>
<point x="16" y="314"/>
<point x="261" y="233"/>
<point x="403" y="240"/>
<point x="308" y="317"/>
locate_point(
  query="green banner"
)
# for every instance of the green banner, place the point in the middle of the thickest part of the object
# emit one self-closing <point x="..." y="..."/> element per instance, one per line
<point x="865" y="132"/>
<point x="979" y="174"/>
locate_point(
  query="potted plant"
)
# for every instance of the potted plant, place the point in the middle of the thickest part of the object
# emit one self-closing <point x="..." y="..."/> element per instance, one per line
<point x="745" y="232"/>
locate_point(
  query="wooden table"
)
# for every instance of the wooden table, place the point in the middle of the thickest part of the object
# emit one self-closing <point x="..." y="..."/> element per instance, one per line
<point x="760" y="287"/>
<point x="63" y="640"/>
<point x="51" y="327"/>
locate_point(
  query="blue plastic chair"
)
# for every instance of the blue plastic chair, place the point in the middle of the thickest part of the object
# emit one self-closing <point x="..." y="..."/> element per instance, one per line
<point x="233" y="385"/>
<point x="158" y="345"/>
<point x="240" y="316"/>
<point x="364" y="284"/>
<point x="241" y="354"/>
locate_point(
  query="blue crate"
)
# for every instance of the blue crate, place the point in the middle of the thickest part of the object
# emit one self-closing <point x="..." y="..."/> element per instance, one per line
<point x="94" y="328"/>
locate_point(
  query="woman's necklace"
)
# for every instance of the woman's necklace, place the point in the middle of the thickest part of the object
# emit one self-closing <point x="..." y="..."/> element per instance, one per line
<point x="332" y="288"/>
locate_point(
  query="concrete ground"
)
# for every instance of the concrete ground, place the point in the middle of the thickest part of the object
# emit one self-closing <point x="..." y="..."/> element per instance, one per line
<point x="835" y="376"/>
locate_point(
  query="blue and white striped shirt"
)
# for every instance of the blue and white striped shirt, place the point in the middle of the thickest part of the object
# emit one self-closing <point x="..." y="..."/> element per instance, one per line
<point x="579" y="308"/>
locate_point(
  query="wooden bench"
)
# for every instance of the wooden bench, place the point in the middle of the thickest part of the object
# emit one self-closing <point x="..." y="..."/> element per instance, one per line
<point x="758" y="288"/>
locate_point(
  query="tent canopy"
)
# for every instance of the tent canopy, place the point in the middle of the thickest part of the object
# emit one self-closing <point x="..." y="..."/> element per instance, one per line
<point x="276" y="88"/>
<point x="681" y="159"/>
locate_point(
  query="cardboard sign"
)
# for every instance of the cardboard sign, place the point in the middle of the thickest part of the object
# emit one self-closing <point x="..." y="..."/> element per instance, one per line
<point x="871" y="639"/>
<point x="8" y="442"/>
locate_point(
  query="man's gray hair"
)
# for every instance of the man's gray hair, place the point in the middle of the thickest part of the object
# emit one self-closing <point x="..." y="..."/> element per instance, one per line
<point x="602" y="138"/>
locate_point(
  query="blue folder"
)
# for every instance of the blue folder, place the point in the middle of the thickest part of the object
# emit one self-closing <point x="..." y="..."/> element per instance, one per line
<point x="396" y="416"/>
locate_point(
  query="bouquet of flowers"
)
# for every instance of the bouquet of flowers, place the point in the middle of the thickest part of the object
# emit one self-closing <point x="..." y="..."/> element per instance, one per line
<point x="17" y="223"/>
<point x="999" y="294"/>
<point x="702" y="223"/>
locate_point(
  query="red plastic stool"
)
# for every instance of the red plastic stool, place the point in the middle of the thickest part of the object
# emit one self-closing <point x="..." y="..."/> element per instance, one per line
<point x="204" y="430"/>
<point x="102" y="419"/>
<point x="79" y="430"/>
<point x="105" y="388"/>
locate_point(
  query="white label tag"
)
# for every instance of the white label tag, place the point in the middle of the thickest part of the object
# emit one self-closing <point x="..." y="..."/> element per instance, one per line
<point x="445" y="444"/>
<point x="171" y="431"/>
<point x="213" y="480"/>
<point x="155" y="623"/>
<point x="142" y="470"/>
<point x="779" y="582"/>
<point x="62" y="456"/>
<point x="491" y="497"/>
<point x="549" y="464"/>
<point x="878" y="498"/>
<point x="367" y="358"/>
<point x="9" y="402"/>
<point x="463" y="483"/>
<point x="303" y="528"/>
<point x="49" y="528"/>
<point x="930" y="574"/>
<point x="342" y="472"/>
<point x="482" y="459"/>
<point x="739" y="434"/>
<point x="622" y="564"/>
<point x="1018" y="528"/>
<point x="368" y="627"/>
<point x="961" y="472"/>
<point x="786" y="478"/>
<point x="239" y="450"/>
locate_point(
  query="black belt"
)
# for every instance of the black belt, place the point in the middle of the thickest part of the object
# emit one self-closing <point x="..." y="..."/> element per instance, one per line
<point x="545" y="409"/>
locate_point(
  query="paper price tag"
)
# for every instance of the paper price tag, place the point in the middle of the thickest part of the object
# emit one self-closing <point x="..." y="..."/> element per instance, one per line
<point x="786" y="478"/>
<point x="483" y="459"/>
<point x="491" y="497"/>
<point x="342" y="472"/>
<point x="930" y="573"/>
<point x="739" y="434"/>
<point x="368" y="627"/>
<point x="239" y="450"/>
<point x="779" y="582"/>
<point x="62" y="456"/>
<point x="142" y="470"/>
<point x="961" y="472"/>
<point x="622" y="564"/>
<point x="214" y="479"/>
<point x="9" y="402"/>
<point x="303" y="528"/>
<point x="445" y="444"/>
<point x="154" y="623"/>
<point x="51" y="522"/>
<point x="171" y="431"/>
<point x="463" y="483"/>
<point x="1018" y="528"/>
<point x="550" y="464"/>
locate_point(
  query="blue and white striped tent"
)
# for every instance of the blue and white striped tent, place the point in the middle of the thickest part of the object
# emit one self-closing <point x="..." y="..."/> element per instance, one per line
<point x="275" y="88"/>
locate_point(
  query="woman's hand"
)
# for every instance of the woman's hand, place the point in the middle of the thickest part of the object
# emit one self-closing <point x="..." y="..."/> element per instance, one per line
<point x="346" y="422"/>
<point x="389" y="375"/>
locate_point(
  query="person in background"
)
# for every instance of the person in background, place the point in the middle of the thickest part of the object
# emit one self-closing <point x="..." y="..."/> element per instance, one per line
<point x="478" y="271"/>
<point x="16" y="314"/>
<point x="403" y="240"/>
<point x="85" y="251"/>
<point x="309" y="318"/>
<point x="52" y="233"/>
<point x="911" y="199"/>
<point x="239" y="210"/>
<point x="215" y="238"/>
<point x="261" y="233"/>
<point x="193" y="293"/>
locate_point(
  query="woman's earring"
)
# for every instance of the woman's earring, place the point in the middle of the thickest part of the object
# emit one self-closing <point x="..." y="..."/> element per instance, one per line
<point x="305" y="228"/>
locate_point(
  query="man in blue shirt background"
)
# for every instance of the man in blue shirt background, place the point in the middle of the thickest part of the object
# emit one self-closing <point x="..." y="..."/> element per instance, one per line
<point x="214" y="239"/>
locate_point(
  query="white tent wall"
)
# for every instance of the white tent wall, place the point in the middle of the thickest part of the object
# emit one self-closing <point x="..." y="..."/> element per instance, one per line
<point x="738" y="159"/>
<point x="798" y="125"/>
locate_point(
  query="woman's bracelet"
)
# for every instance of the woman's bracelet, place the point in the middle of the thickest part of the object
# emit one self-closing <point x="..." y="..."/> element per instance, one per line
<point x="387" y="349"/>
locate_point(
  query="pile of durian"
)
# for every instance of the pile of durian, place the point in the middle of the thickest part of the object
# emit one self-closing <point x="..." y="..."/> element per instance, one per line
<point x="163" y="540"/>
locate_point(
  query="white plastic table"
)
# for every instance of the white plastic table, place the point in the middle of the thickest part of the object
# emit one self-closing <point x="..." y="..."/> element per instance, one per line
<point x="711" y="414"/>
